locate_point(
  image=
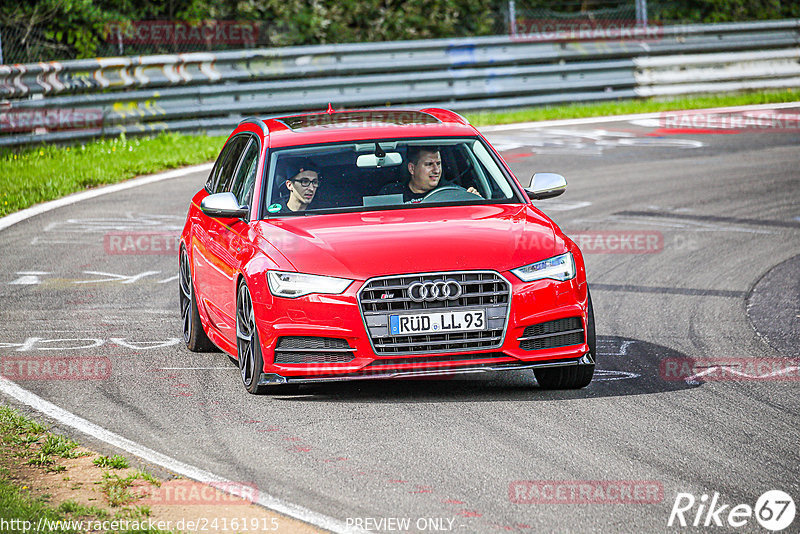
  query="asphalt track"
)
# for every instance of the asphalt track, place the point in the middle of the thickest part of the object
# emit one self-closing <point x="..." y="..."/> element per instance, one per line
<point x="714" y="274"/>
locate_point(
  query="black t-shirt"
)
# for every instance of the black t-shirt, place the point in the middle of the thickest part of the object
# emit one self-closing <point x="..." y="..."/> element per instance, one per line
<point x="397" y="188"/>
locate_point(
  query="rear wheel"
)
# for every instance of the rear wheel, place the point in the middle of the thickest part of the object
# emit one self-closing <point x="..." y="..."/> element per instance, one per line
<point x="193" y="334"/>
<point x="572" y="376"/>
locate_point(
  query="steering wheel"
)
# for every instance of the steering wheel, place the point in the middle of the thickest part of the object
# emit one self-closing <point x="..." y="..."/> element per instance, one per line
<point x="448" y="193"/>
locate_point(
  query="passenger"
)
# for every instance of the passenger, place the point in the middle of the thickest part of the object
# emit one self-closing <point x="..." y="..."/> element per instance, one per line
<point x="425" y="169"/>
<point x="302" y="188"/>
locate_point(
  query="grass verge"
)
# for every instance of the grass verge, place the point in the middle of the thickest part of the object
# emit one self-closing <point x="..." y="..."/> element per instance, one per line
<point x="38" y="174"/>
<point x="94" y="493"/>
<point x="17" y="505"/>
<point x="28" y="444"/>
<point x="47" y="172"/>
<point x="114" y="462"/>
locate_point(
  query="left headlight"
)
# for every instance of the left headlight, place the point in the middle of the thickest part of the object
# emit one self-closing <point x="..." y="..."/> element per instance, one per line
<point x="558" y="268"/>
<point x="292" y="285"/>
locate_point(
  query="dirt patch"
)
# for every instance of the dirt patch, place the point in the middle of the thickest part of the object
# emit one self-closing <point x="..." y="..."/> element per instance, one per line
<point x="178" y="504"/>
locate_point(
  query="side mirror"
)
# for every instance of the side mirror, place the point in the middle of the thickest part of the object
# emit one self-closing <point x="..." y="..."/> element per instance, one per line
<point x="223" y="205"/>
<point x="546" y="185"/>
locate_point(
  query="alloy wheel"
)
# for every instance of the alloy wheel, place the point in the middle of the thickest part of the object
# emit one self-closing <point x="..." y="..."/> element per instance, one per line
<point x="245" y="329"/>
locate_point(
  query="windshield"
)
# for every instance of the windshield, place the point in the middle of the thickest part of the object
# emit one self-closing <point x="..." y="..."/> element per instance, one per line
<point x="383" y="174"/>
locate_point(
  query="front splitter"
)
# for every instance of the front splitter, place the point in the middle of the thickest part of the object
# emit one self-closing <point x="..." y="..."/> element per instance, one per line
<point x="272" y="379"/>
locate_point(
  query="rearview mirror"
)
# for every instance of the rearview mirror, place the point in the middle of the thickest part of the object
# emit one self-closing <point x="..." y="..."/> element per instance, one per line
<point x="222" y="205"/>
<point x="389" y="159"/>
<point x="546" y="185"/>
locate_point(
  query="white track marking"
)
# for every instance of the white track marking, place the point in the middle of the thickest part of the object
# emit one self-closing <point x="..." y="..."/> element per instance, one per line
<point x="622" y="349"/>
<point x="694" y="379"/>
<point x="602" y="375"/>
<point x="28" y="278"/>
<point x="636" y="116"/>
<point x="87" y="427"/>
<point x="562" y="205"/>
<point x="131" y="222"/>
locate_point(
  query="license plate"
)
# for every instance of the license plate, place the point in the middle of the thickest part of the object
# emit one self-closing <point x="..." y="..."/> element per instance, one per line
<point x="437" y="323"/>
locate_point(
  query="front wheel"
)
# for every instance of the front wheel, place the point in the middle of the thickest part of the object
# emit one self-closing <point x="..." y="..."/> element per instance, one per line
<point x="572" y="376"/>
<point x="248" y="346"/>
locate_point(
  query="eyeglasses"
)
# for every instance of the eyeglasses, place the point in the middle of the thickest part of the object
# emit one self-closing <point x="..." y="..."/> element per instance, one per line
<point x="305" y="182"/>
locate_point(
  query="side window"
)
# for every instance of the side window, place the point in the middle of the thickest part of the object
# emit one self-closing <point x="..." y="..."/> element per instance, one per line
<point x="243" y="182"/>
<point x="213" y="178"/>
<point x="226" y="164"/>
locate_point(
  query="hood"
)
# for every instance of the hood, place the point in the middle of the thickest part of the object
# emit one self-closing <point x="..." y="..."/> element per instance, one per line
<point x="362" y="245"/>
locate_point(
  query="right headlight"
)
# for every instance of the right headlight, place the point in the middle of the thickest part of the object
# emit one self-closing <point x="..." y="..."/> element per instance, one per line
<point x="560" y="267"/>
<point x="293" y="285"/>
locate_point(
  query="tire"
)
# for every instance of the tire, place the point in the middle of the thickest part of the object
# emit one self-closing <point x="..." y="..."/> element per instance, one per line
<point x="248" y="346"/>
<point x="193" y="334"/>
<point x="572" y="376"/>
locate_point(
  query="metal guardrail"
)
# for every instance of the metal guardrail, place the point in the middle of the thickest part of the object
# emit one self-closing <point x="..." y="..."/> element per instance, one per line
<point x="674" y="75"/>
<point x="212" y="91"/>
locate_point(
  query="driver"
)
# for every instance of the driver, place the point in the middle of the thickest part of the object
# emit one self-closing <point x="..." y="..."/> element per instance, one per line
<point x="425" y="168"/>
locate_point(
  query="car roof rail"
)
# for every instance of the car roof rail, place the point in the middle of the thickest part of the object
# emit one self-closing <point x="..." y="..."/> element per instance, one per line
<point x="258" y="122"/>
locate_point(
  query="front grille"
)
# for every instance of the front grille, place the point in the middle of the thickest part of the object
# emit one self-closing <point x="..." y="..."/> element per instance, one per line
<point x="481" y="290"/>
<point x="307" y="349"/>
<point x="558" y="333"/>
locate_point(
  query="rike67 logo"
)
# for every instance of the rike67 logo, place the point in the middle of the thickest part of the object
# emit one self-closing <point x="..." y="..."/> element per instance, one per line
<point x="774" y="510"/>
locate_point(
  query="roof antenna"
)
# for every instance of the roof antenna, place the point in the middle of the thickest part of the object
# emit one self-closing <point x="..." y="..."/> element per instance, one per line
<point x="330" y="108"/>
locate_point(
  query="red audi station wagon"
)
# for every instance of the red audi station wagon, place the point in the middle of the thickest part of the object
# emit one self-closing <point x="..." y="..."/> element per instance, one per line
<point x="379" y="244"/>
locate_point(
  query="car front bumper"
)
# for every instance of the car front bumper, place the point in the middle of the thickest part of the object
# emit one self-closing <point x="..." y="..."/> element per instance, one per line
<point x="339" y="317"/>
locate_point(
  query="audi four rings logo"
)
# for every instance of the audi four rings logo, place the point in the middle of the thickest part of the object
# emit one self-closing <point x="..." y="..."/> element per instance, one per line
<point x="432" y="291"/>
